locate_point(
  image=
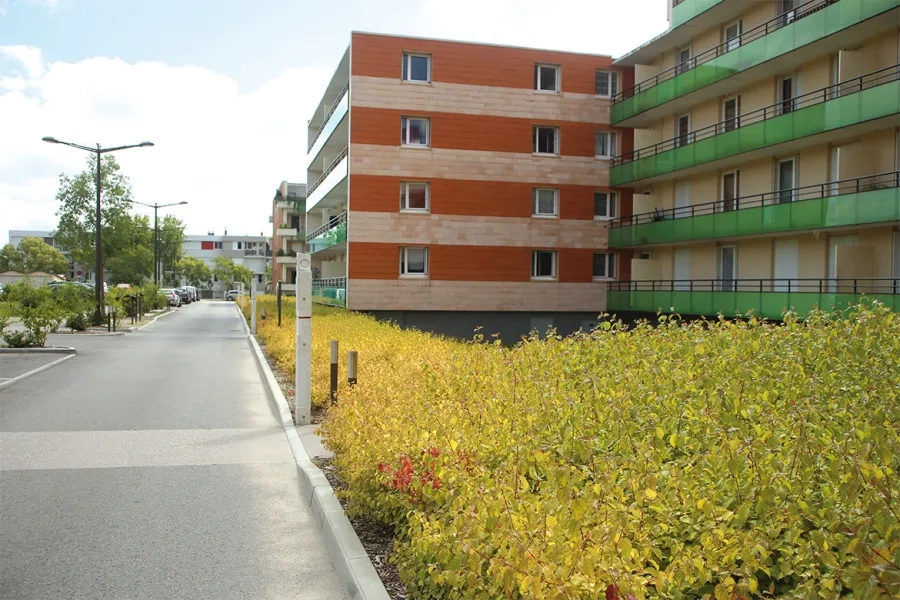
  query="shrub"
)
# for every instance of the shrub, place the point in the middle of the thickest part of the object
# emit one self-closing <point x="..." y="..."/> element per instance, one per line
<point x="78" y="321"/>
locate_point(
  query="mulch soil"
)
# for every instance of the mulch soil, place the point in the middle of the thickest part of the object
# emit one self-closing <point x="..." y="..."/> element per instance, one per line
<point x="377" y="538"/>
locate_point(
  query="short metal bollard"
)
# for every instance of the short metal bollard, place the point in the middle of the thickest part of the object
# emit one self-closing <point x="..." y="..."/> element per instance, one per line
<point x="351" y="367"/>
<point x="334" y="370"/>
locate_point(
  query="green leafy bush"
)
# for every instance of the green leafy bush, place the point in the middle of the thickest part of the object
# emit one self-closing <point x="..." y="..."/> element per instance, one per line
<point x="703" y="460"/>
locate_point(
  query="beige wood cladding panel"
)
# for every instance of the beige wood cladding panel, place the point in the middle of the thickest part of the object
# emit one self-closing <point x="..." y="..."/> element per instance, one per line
<point x="408" y="294"/>
<point x="403" y="228"/>
<point x="379" y="92"/>
<point x="370" y="159"/>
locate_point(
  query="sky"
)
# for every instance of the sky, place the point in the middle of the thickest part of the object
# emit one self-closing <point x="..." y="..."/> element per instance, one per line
<point x="224" y="88"/>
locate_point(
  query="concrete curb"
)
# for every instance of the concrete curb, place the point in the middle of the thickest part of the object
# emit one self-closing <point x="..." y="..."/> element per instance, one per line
<point x="168" y="312"/>
<point x="50" y="350"/>
<point x="93" y="334"/>
<point x="39" y="369"/>
<point x="347" y="554"/>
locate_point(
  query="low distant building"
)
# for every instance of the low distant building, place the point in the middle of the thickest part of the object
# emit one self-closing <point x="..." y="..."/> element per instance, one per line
<point x="288" y="233"/>
<point x="251" y="251"/>
<point x="37" y="279"/>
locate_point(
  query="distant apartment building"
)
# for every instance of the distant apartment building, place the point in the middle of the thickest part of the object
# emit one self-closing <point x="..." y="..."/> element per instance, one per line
<point x="247" y="250"/>
<point x="452" y="185"/>
<point x="76" y="272"/>
<point x="766" y="159"/>
<point x="288" y="233"/>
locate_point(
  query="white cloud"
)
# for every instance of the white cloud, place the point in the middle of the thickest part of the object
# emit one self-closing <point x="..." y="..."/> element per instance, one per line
<point x="222" y="150"/>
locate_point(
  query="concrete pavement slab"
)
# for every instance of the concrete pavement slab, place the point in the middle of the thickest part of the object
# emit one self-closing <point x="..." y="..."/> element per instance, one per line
<point x="13" y="365"/>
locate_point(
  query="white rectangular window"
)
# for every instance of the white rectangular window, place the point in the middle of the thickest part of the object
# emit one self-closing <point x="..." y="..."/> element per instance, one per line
<point x="546" y="78"/>
<point x="606" y="84"/>
<point x="414" y="262"/>
<point x="727" y="270"/>
<point x="545" y="139"/>
<point x="605" y="144"/>
<point x="605" y="206"/>
<point x="731" y="113"/>
<point x="544" y="202"/>
<point x="604" y="265"/>
<point x="414" y="196"/>
<point x="682" y="60"/>
<point x="416" y="67"/>
<point x="733" y="36"/>
<point x="543" y="264"/>
<point x="786" y="180"/>
<point x="414" y="131"/>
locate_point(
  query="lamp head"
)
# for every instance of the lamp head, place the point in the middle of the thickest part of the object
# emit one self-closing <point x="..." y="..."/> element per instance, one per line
<point x="145" y="144"/>
<point x="51" y="140"/>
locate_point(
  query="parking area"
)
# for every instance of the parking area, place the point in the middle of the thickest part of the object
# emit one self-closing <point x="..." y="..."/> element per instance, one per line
<point x="13" y="365"/>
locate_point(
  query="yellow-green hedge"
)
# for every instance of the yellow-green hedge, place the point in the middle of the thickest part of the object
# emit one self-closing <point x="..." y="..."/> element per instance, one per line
<point x="728" y="460"/>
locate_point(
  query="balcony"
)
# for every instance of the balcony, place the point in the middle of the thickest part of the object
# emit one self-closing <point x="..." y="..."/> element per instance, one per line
<point x="329" y="235"/>
<point x="685" y="10"/>
<point x="331" y="187"/>
<point x="777" y="45"/>
<point x="333" y="118"/>
<point x="331" y="291"/>
<point x="285" y="230"/>
<point x="286" y="259"/>
<point x="767" y="298"/>
<point x="846" y="109"/>
<point x="860" y="201"/>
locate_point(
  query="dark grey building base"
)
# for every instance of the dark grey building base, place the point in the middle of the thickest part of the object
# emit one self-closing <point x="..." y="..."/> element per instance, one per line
<point x="510" y="326"/>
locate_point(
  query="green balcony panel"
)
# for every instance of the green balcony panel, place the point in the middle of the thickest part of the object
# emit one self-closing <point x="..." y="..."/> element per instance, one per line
<point x="330" y="295"/>
<point x="852" y="109"/>
<point x="689" y="9"/>
<point x="330" y="238"/>
<point x="809" y="29"/>
<point x="863" y="208"/>
<point x="770" y="305"/>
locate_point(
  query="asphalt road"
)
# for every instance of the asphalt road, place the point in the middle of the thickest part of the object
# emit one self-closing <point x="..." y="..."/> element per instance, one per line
<point x="152" y="465"/>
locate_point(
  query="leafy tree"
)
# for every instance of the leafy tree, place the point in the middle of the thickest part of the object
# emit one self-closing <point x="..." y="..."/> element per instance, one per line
<point x="226" y="270"/>
<point x="33" y="255"/>
<point x="131" y="252"/>
<point x="171" y="242"/>
<point x="77" y="196"/>
<point x="195" y="271"/>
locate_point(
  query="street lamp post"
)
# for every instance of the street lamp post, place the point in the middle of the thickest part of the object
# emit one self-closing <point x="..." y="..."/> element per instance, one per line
<point x="155" y="208"/>
<point x="98" y="251"/>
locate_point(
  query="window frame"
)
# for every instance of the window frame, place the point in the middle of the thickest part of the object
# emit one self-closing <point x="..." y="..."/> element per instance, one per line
<point x="535" y="203"/>
<point x="404" y="263"/>
<point x="557" y="83"/>
<point x="612" y="200"/>
<point x="404" y="197"/>
<point x="612" y="144"/>
<point x="404" y="143"/>
<point x="554" y="266"/>
<point x="735" y="121"/>
<point x="610" y="266"/>
<point x="535" y="140"/>
<point x="613" y="88"/>
<point x="406" y="67"/>
<point x="218" y="246"/>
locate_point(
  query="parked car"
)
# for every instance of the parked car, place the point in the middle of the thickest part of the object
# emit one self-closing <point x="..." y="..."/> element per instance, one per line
<point x="232" y="294"/>
<point x="172" y="297"/>
<point x="185" y="295"/>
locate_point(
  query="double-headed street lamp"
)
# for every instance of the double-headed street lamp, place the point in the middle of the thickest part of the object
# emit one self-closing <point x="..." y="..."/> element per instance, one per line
<point x="98" y="267"/>
<point x="156" y="207"/>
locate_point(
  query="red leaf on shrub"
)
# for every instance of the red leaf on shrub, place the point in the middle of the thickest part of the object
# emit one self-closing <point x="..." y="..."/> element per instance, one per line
<point x="612" y="592"/>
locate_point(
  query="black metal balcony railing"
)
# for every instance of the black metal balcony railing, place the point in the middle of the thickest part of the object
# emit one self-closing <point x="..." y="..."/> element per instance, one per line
<point x="851" y="86"/>
<point x="327" y="172"/>
<point x="331" y="224"/>
<point x="808" y="192"/>
<point x="818" y="286"/>
<point x="746" y="37"/>
<point x="330" y="112"/>
<point x="676" y="3"/>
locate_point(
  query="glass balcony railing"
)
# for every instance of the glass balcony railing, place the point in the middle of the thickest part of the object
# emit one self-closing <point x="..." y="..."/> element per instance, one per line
<point x="855" y="101"/>
<point x="768" y="298"/>
<point x="806" y="24"/>
<point x="685" y="10"/>
<point x="333" y="174"/>
<point x="859" y="201"/>
<point x="328" y="235"/>
<point x="334" y="107"/>
<point x="332" y="290"/>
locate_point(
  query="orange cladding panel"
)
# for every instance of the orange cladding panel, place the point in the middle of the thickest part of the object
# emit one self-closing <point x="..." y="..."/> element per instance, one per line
<point x="381" y="126"/>
<point x="475" y="64"/>
<point x="374" y="193"/>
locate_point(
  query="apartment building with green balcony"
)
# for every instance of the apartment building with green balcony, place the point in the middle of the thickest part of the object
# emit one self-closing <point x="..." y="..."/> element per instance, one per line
<point x="288" y="233"/>
<point x="766" y="162"/>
